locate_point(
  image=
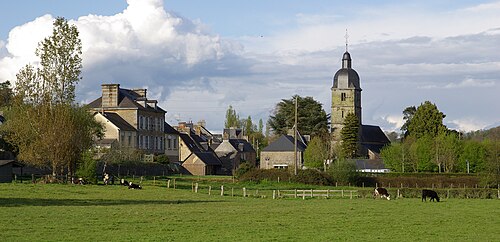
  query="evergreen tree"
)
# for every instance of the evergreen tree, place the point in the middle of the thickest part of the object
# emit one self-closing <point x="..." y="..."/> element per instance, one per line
<point x="312" y="119"/>
<point x="349" y="136"/>
<point x="232" y="119"/>
<point x="427" y="120"/>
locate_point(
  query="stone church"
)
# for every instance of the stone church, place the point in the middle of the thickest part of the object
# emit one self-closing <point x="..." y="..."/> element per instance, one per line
<point x="346" y="98"/>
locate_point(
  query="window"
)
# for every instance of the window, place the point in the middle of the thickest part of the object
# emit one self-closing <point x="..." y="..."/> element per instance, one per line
<point x="175" y="142"/>
<point x="140" y="141"/>
<point x="129" y="140"/>
<point x="342" y="114"/>
<point x="342" y="96"/>
<point x="153" y="124"/>
<point x="169" y="143"/>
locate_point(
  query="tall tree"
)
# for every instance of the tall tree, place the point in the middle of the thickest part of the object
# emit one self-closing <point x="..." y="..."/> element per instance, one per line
<point x="261" y="126"/>
<point x="312" y="119"/>
<point x="232" y="118"/>
<point x="407" y="116"/>
<point x="427" y="120"/>
<point x="349" y="136"/>
<point x="43" y="122"/>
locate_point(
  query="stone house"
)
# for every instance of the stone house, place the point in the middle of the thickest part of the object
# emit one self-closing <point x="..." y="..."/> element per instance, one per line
<point x="171" y="143"/>
<point x="195" y="153"/>
<point x="280" y="154"/>
<point x="133" y="108"/>
<point x="235" y="149"/>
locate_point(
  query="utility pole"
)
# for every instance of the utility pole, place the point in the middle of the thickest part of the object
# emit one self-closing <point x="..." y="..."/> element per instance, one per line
<point x="295" y="138"/>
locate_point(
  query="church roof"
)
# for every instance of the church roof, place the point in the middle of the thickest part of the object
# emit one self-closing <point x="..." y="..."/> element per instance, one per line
<point x="346" y="77"/>
<point x="373" y="138"/>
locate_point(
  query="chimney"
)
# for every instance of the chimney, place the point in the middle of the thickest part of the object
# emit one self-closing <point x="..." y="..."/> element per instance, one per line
<point x="153" y="104"/>
<point x="110" y="95"/>
<point x="140" y="92"/>
<point x="240" y="146"/>
<point x="202" y="123"/>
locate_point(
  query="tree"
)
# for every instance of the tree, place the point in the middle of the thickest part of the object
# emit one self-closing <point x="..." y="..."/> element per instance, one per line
<point x="43" y="122"/>
<point x="427" y="120"/>
<point x="349" y="136"/>
<point x="5" y="94"/>
<point x="448" y="149"/>
<point x="232" y="119"/>
<point x="312" y="119"/>
<point x="261" y="126"/>
<point x="316" y="152"/>
<point x="407" y="116"/>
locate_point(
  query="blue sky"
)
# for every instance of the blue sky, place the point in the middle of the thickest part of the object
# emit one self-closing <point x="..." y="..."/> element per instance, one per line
<point x="252" y="54"/>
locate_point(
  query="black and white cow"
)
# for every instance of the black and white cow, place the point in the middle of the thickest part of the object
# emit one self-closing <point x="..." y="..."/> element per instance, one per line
<point x="429" y="193"/>
<point x="382" y="192"/>
<point x="134" y="186"/>
<point x="124" y="182"/>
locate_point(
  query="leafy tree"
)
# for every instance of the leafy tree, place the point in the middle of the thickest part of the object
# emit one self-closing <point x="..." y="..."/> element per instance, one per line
<point x="5" y="94"/>
<point x="392" y="155"/>
<point x="316" y="152"/>
<point x="344" y="171"/>
<point x="491" y="172"/>
<point x="475" y="153"/>
<point x="87" y="167"/>
<point x="349" y="136"/>
<point x="232" y="119"/>
<point x="423" y="149"/>
<point x="312" y="119"/>
<point x="407" y="116"/>
<point x="261" y="126"/>
<point x="427" y="120"/>
<point x="43" y="122"/>
<point x="448" y="149"/>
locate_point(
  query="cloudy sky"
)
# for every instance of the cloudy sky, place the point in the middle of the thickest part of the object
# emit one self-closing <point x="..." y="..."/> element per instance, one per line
<point x="197" y="57"/>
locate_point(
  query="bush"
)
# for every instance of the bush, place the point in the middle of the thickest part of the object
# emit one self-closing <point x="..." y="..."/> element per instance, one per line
<point x="243" y="168"/>
<point x="344" y="172"/>
<point x="313" y="177"/>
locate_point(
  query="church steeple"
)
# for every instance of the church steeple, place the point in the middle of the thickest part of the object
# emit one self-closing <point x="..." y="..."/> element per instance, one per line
<point x="346" y="59"/>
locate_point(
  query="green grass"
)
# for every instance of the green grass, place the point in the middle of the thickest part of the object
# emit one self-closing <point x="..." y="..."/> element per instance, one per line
<point x="55" y="212"/>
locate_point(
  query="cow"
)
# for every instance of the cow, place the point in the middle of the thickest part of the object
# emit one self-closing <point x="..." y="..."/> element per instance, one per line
<point x="124" y="182"/>
<point x="382" y="192"/>
<point x="134" y="186"/>
<point x="429" y="193"/>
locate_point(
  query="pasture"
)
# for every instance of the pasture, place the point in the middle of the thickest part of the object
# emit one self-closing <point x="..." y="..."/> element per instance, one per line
<point x="55" y="212"/>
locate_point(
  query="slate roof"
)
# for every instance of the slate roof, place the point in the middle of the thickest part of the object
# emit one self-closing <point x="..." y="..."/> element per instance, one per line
<point x="285" y="143"/>
<point x="119" y="121"/>
<point x="247" y="147"/>
<point x="373" y="134"/>
<point x="169" y="129"/>
<point x="370" y="164"/>
<point x="13" y="162"/>
<point x="206" y="154"/>
<point x="127" y="99"/>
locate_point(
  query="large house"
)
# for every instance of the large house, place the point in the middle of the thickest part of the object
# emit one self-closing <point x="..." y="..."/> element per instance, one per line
<point x="234" y="150"/>
<point x="171" y="143"/>
<point x="131" y="119"/>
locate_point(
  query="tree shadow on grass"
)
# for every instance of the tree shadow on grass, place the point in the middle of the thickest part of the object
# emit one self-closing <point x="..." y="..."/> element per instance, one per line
<point x="20" y="202"/>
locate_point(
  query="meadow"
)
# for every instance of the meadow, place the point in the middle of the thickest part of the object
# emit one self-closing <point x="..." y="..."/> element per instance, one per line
<point x="58" y="212"/>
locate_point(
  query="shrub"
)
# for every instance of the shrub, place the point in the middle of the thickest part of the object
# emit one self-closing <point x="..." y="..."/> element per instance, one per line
<point x="87" y="168"/>
<point x="313" y="177"/>
<point x="243" y="168"/>
<point x="344" y="171"/>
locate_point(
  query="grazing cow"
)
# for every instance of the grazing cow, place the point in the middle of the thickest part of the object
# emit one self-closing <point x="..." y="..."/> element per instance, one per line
<point x="382" y="192"/>
<point x="124" y="182"/>
<point x="134" y="186"/>
<point x="429" y="193"/>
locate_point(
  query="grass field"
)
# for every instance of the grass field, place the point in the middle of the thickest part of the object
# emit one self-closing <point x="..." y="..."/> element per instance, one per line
<point x="53" y="212"/>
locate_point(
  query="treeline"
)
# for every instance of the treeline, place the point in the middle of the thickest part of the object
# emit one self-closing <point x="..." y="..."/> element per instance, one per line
<point x="429" y="146"/>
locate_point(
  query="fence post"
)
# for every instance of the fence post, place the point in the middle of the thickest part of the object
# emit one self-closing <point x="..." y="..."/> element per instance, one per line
<point x="312" y="193"/>
<point x="303" y="194"/>
<point x="335" y="184"/>
<point x="279" y="193"/>
<point x="328" y="193"/>
<point x="192" y="186"/>
<point x="398" y="194"/>
<point x="278" y="179"/>
<point x="154" y="180"/>
<point x="244" y="192"/>
<point x="342" y="193"/>
<point x="295" y="193"/>
<point x="196" y="187"/>
<point x="168" y="183"/>
<point x="209" y="189"/>
<point x="363" y="185"/>
<point x="222" y="190"/>
<point x="376" y="184"/>
<point x="274" y="194"/>
<point x="232" y="191"/>
<point x="401" y="185"/>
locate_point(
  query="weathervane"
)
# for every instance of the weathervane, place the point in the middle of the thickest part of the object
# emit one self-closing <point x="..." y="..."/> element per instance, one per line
<point x="346" y="40"/>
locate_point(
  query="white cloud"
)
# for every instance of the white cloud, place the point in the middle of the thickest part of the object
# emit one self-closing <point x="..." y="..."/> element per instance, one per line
<point x="467" y="124"/>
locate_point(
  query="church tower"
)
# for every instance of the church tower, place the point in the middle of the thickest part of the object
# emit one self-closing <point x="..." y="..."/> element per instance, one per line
<point x="346" y="95"/>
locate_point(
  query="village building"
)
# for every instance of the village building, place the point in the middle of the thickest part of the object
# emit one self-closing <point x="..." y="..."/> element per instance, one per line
<point x="195" y="153"/>
<point x="280" y="154"/>
<point x="171" y="143"/>
<point x="131" y="119"/>
<point x="234" y="150"/>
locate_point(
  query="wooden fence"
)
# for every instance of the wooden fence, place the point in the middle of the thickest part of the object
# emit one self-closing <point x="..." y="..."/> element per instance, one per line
<point x="318" y="193"/>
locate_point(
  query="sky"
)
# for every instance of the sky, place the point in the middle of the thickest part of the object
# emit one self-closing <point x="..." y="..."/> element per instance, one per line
<point x="198" y="57"/>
